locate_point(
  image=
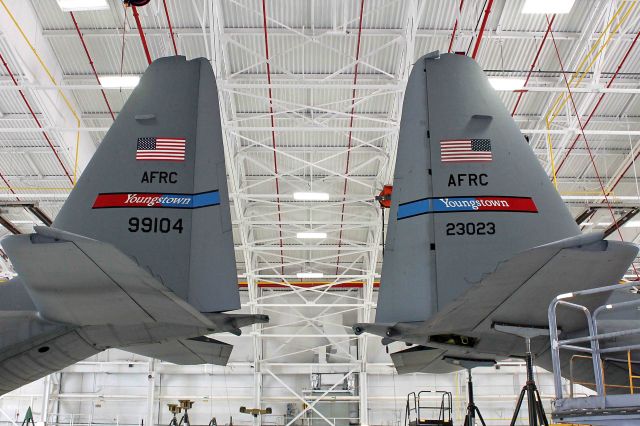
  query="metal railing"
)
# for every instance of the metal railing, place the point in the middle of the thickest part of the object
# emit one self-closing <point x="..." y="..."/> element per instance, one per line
<point x="594" y="338"/>
<point x="444" y="410"/>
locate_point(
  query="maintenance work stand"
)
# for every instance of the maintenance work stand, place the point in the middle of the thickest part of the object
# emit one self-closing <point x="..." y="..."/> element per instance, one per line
<point x="422" y="410"/>
<point x="601" y="409"/>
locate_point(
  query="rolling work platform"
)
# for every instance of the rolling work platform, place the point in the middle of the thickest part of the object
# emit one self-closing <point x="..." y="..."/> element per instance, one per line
<point x="601" y="409"/>
<point x="422" y="410"/>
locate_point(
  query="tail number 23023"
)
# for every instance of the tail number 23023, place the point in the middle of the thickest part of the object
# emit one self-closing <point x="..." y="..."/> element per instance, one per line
<point x="471" y="228"/>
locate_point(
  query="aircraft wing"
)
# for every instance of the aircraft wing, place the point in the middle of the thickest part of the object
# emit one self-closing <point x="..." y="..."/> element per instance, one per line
<point x="81" y="281"/>
<point x="199" y="350"/>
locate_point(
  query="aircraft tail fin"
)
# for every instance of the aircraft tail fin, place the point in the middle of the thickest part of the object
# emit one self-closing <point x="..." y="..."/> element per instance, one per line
<point x="469" y="191"/>
<point x="156" y="187"/>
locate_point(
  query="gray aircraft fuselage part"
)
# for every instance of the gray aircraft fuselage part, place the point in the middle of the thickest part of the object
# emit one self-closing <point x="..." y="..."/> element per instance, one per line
<point x="175" y="99"/>
<point x="141" y="255"/>
<point x="447" y="99"/>
<point x="477" y="233"/>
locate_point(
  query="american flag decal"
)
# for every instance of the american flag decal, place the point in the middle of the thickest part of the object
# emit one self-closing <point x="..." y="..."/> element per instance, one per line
<point x="465" y="151"/>
<point x="160" y="149"/>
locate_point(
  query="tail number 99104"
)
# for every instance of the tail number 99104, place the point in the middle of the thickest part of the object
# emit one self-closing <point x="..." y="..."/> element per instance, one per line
<point x="471" y="228"/>
<point x="162" y="225"/>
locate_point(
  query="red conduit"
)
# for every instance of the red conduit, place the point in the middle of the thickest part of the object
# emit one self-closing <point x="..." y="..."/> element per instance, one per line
<point x="173" y="40"/>
<point x="95" y="73"/>
<point x="9" y="186"/>
<point x="624" y="58"/>
<point x="584" y="137"/>
<point x="455" y="28"/>
<point x="533" y="64"/>
<point x="141" y="32"/>
<point x="487" y="11"/>
<point x="273" y="126"/>
<point x="353" y="101"/>
<point x="33" y="114"/>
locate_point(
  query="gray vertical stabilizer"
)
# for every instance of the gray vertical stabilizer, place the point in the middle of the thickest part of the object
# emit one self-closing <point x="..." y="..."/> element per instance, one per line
<point x="468" y="193"/>
<point x="156" y="187"/>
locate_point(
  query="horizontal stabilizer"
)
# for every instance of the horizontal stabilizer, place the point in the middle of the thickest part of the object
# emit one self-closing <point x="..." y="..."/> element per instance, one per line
<point x="534" y="278"/>
<point x="199" y="350"/>
<point x="45" y="353"/>
<point x="529" y="279"/>
<point x="232" y="323"/>
<point x="95" y="283"/>
<point x="15" y="325"/>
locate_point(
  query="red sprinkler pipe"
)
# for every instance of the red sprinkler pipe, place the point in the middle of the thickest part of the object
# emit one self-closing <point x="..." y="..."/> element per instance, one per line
<point x="141" y="32"/>
<point x="533" y="64"/>
<point x="33" y="114"/>
<point x="455" y="28"/>
<point x="6" y="182"/>
<point x="95" y="73"/>
<point x="487" y="11"/>
<point x="586" y="143"/>
<point x="615" y="74"/>
<point x="173" y="40"/>
<point x="273" y="126"/>
<point x="353" y="101"/>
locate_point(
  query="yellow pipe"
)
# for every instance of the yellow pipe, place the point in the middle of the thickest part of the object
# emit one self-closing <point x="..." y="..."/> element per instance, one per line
<point x="75" y="163"/>
<point x="555" y="109"/>
<point x="630" y="371"/>
<point x="584" y="73"/>
<point x="586" y="56"/>
<point x="553" y="164"/>
<point x="602" y="33"/>
<point x="53" y="80"/>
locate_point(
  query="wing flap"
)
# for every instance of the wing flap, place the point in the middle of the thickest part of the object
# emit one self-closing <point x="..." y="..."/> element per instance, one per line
<point x="199" y="350"/>
<point x="422" y="359"/>
<point x="80" y="281"/>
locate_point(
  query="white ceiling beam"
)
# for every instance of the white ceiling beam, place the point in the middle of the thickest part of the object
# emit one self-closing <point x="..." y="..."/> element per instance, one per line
<point x="21" y="30"/>
<point x="366" y="32"/>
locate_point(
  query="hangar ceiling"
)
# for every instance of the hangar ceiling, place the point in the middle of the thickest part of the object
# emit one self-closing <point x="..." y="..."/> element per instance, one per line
<point x="311" y="95"/>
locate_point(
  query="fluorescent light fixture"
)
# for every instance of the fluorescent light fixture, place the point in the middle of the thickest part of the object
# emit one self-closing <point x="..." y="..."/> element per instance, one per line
<point x="506" y="83"/>
<point x="564" y="296"/>
<point x="547" y="6"/>
<point x="311" y="196"/>
<point x="608" y="306"/>
<point x="310" y="275"/>
<point x="82" y="5"/>
<point x="119" y="81"/>
<point x="311" y="235"/>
